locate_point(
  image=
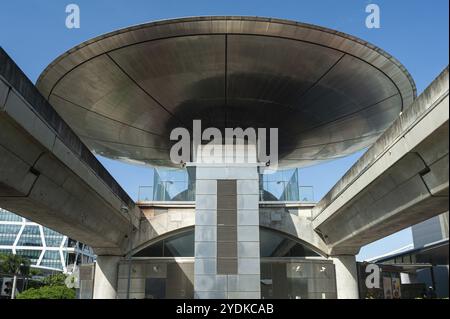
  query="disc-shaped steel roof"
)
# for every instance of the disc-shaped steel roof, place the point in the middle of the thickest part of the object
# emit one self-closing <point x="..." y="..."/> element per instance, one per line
<point x="328" y="93"/>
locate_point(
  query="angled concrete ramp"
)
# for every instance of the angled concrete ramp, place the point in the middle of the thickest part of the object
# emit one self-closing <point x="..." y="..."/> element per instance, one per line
<point x="400" y="181"/>
<point x="49" y="176"/>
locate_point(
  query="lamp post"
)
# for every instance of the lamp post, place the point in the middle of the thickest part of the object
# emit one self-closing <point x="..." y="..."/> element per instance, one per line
<point x="14" y="285"/>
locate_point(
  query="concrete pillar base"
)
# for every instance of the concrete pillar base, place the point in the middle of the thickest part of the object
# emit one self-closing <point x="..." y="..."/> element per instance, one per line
<point x="346" y="277"/>
<point x="105" y="280"/>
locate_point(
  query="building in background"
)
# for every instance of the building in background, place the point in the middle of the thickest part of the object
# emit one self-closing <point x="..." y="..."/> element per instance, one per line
<point x="430" y="231"/>
<point x="47" y="250"/>
<point x="431" y="238"/>
<point x="421" y="266"/>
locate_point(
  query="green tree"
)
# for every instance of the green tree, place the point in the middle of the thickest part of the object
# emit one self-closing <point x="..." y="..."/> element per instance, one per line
<point x="14" y="265"/>
<point x="55" y="280"/>
<point x="48" y="292"/>
<point x="54" y="288"/>
<point x="35" y="272"/>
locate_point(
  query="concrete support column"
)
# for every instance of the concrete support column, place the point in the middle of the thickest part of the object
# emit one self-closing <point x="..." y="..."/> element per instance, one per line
<point x="227" y="261"/>
<point x="105" y="280"/>
<point x="346" y="277"/>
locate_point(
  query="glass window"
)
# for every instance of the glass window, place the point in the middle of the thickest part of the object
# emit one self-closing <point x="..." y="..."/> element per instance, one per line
<point x="181" y="245"/>
<point x="71" y="243"/>
<point x="31" y="254"/>
<point x="31" y="236"/>
<point x="52" y="238"/>
<point x="273" y="244"/>
<point x="299" y="270"/>
<point x="276" y="244"/>
<point x="8" y="234"/>
<point x="8" y="216"/>
<point x="154" y="250"/>
<point x="51" y="259"/>
<point x="303" y="279"/>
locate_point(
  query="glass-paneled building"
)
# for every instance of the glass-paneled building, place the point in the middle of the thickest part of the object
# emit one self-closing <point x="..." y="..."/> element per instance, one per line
<point x="46" y="248"/>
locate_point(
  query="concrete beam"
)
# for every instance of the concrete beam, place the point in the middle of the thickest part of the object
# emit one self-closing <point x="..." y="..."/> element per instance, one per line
<point x="400" y="181"/>
<point x="47" y="174"/>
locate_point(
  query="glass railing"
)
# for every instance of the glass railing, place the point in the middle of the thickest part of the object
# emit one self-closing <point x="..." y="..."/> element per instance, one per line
<point x="145" y="194"/>
<point x="282" y="186"/>
<point x="271" y="192"/>
<point x="306" y="194"/>
<point x="167" y="191"/>
<point x="285" y="192"/>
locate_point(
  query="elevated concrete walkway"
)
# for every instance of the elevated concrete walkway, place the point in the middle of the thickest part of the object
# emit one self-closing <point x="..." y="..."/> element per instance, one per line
<point x="49" y="176"/>
<point x="400" y="181"/>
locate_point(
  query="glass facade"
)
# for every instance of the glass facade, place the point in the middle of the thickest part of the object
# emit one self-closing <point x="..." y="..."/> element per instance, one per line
<point x="157" y="279"/>
<point x="276" y="244"/>
<point x="32" y="254"/>
<point x="52" y="238"/>
<point x="297" y="279"/>
<point x="51" y="259"/>
<point x="289" y="269"/>
<point x="44" y="247"/>
<point x="8" y="234"/>
<point x="181" y="245"/>
<point x="6" y="216"/>
<point x="30" y="236"/>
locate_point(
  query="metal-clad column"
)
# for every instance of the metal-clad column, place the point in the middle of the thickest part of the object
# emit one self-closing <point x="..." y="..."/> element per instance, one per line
<point x="227" y="257"/>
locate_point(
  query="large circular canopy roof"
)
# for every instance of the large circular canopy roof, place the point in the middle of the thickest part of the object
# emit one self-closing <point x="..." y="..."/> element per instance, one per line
<point x="328" y="93"/>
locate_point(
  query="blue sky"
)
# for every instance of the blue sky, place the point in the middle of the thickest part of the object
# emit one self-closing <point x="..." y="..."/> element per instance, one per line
<point x="33" y="33"/>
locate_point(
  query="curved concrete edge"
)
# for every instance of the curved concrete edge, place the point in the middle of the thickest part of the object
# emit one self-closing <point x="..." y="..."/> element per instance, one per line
<point x="295" y="222"/>
<point x="435" y="91"/>
<point x="160" y="222"/>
